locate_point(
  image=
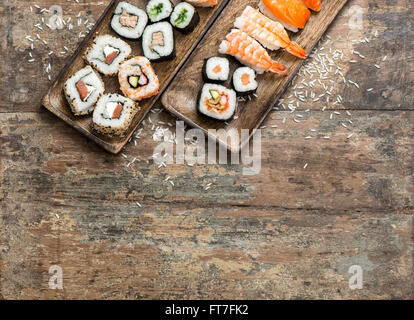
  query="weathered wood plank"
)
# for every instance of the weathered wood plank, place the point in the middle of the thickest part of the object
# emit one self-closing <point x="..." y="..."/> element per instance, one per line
<point x="115" y="250"/>
<point x="373" y="169"/>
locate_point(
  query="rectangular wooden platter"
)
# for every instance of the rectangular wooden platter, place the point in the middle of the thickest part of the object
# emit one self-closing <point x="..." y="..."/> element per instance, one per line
<point x="181" y="96"/>
<point x="55" y="101"/>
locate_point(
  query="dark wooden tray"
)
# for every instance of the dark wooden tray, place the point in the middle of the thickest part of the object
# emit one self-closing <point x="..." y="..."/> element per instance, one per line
<point x="55" y="101"/>
<point x="181" y="96"/>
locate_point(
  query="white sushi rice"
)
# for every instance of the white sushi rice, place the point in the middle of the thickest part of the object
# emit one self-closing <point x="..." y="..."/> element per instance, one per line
<point x="102" y="115"/>
<point x="94" y="83"/>
<point x="190" y="12"/>
<point x="224" y="65"/>
<point x="159" y="10"/>
<point x="157" y="52"/>
<point x="104" y="45"/>
<point x="128" y="32"/>
<point x="237" y="80"/>
<point x="205" y="94"/>
<point x="270" y="15"/>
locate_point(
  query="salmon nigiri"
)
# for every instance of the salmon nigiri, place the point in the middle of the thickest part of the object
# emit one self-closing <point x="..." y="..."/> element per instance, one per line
<point x="249" y="52"/>
<point x="203" y="3"/>
<point x="271" y="34"/>
<point x="292" y="14"/>
<point x="314" y="5"/>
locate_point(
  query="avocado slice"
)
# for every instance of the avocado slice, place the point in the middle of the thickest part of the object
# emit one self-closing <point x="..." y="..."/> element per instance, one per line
<point x="133" y="81"/>
<point x="214" y="94"/>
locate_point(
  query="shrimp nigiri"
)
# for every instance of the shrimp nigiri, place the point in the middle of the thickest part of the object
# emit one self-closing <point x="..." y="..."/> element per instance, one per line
<point x="269" y="33"/>
<point x="249" y="52"/>
<point x="292" y="14"/>
<point x="314" y="5"/>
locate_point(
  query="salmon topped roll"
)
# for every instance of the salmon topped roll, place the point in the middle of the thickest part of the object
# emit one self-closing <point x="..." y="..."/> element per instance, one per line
<point x="314" y="5"/>
<point x="203" y="3"/>
<point x="292" y="14"/>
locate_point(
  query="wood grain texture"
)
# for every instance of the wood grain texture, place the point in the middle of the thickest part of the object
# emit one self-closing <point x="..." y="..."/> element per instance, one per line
<point x="285" y="233"/>
<point x="180" y="99"/>
<point x="55" y="100"/>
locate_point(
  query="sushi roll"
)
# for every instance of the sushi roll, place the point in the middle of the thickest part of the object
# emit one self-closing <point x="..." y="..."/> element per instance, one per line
<point x="129" y="21"/>
<point x="137" y="79"/>
<point x="185" y="18"/>
<point x="159" y="10"/>
<point x="82" y="90"/>
<point x="113" y="114"/>
<point x="244" y="81"/>
<point x="216" y="70"/>
<point x="107" y="53"/>
<point x="158" y="42"/>
<point x="217" y="102"/>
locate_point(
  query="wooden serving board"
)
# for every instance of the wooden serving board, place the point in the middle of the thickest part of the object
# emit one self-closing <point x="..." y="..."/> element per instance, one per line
<point x="181" y="97"/>
<point x="55" y="101"/>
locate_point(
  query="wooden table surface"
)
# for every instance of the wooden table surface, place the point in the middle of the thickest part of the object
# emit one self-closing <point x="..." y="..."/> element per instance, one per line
<point x="288" y="232"/>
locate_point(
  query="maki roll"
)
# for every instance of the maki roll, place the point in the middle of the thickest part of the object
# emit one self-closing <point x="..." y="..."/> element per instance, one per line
<point x="113" y="114"/>
<point x="129" y="21"/>
<point x="216" y="70"/>
<point x="217" y="102"/>
<point x="82" y="90"/>
<point x="244" y="81"/>
<point x="107" y="53"/>
<point x="137" y="79"/>
<point x="159" y="10"/>
<point x="185" y="18"/>
<point x="158" y="42"/>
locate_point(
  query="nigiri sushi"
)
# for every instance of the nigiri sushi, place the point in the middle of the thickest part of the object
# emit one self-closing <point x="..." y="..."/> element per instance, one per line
<point x="249" y="52"/>
<point x="269" y="33"/>
<point x="202" y="3"/>
<point x="314" y="5"/>
<point x="292" y="14"/>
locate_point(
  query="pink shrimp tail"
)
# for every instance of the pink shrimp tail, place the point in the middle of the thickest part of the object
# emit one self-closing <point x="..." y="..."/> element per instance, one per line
<point x="277" y="65"/>
<point x="296" y="50"/>
<point x="278" y="68"/>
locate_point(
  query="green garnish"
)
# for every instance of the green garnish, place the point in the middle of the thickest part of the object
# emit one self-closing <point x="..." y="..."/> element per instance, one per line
<point x="214" y="94"/>
<point x="156" y="10"/>
<point x="133" y="81"/>
<point x="182" y="17"/>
